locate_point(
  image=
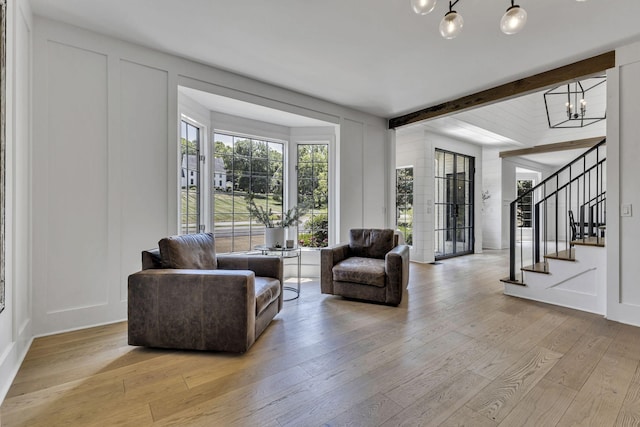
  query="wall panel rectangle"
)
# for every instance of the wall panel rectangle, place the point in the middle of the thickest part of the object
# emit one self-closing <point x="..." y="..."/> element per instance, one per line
<point x="375" y="166"/>
<point x="144" y="165"/>
<point x="76" y="179"/>
<point x="629" y="155"/>
<point x="351" y="177"/>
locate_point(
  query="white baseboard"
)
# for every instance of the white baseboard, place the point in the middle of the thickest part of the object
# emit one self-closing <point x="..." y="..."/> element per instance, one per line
<point x="10" y="363"/>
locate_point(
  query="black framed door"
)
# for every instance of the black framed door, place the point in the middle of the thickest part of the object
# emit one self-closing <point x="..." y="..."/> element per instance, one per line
<point x="454" y="190"/>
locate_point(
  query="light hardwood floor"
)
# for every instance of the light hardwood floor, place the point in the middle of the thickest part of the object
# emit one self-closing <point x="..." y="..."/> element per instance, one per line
<point x="455" y="352"/>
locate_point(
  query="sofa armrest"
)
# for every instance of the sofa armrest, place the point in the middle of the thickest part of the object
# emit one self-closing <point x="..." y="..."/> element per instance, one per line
<point x="197" y="309"/>
<point x="328" y="258"/>
<point x="396" y="265"/>
<point x="261" y="265"/>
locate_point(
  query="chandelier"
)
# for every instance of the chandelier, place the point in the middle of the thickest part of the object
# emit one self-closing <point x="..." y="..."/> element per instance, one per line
<point x="566" y="105"/>
<point x="512" y="22"/>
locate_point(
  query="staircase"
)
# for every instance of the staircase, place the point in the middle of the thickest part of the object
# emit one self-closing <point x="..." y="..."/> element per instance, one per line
<point x="558" y="256"/>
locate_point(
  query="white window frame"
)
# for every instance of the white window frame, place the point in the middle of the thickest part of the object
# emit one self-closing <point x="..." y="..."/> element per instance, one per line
<point x="286" y="173"/>
<point x="332" y="207"/>
<point x="204" y="172"/>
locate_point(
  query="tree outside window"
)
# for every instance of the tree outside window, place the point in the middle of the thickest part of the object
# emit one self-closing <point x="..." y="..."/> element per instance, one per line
<point x="404" y="202"/>
<point x="313" y="194"/>
<point x="524" y="207"/>
<point x="248" y="166"/>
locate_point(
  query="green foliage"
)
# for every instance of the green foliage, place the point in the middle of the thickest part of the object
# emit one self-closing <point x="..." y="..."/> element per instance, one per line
<point x="407" y="231"/>
<point x="188" y="147"/>
<point x="316" y="232"/>
<point x="253" y="165"/>
<point x="313" y="175"/>
<point x="404" y="202"/>
<point x="404" y="187"/>
<point x="523" y="213"/>
<point x="268" y="218"/>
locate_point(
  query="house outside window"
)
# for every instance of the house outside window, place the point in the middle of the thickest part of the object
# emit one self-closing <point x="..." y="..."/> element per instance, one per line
<point x="245" y="166"/>
<point x="189" y="178"/>
<point x="404" y="202"/>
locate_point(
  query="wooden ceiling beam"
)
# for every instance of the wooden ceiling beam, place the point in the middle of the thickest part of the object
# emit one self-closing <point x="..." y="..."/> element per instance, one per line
<point x="550" y="148"/>
<point x="557" y="76"/>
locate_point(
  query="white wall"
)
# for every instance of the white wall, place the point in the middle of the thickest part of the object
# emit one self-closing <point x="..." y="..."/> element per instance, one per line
<point x="15" y="320"/>
<point x="411" y="150"/>
<point x="416" y="147"/>
<point x="623" y="175"/>
<point x="109" y="110"/>
<point x="491" y="207"/>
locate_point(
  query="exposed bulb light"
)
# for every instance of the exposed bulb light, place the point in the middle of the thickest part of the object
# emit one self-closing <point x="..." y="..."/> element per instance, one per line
<point x="513" y="20"/>
<point x="422" y="7"/>
<point x="452" y="23"/>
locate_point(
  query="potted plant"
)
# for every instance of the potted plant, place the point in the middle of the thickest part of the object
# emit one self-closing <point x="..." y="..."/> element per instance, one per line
<point x="274" y="235"/>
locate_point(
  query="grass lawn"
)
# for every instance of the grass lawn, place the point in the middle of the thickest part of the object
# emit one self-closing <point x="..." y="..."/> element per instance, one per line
<point x="224" y="205"/>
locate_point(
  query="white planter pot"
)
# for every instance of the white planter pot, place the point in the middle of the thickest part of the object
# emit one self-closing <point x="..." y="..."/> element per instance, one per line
<point x="274" y="237"/>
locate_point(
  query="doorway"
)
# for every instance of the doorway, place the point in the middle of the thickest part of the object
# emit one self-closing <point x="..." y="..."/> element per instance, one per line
<point x="454" y="204"/>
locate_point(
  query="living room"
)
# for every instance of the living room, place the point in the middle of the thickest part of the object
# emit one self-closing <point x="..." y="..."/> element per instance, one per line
<point x="92" y="162"/>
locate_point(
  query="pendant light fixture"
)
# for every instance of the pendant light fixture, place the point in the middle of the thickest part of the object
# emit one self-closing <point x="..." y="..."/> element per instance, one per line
<point x="513" y="20"/>
<point x="422" y="7"/>
<point x="566" y="105"/>
<point x="452" y="23"/>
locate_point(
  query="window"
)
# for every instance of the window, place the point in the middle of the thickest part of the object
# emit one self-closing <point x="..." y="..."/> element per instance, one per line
<point x="244" y="166"/>
<point x="524" y="207"/>
<point x="454" y="204"/>
<point x="313" y="194"/>
<point x="190" y="178"/>
<point x="404" y="202"/>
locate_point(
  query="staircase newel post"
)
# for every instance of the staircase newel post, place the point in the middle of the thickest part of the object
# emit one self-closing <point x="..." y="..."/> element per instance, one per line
<point x="512" y="241"/>
<point x="536" y="233"/>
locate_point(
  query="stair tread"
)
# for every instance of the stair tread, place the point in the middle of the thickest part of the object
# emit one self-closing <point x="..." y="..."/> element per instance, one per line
<point x="589" y="241"/>
<point x="518" y="281"/>
<point x="539" y="267"/>
<point x="567" y="255"/>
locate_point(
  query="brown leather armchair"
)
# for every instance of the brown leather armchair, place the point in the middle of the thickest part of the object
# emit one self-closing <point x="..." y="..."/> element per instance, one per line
<point x="372" y="267"/>
<point x="186" y="297"/>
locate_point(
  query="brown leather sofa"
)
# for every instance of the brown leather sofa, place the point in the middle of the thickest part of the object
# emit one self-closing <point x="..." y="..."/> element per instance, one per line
<point x="186" y="297"/>
<point x="371" y="267"/>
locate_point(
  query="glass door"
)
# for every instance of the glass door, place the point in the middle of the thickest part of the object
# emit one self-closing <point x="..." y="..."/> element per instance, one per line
<point x="453" y="204"/>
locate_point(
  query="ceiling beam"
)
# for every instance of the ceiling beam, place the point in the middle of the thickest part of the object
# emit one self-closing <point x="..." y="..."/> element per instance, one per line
<point x="557" y="76"/>
<point x="550" y="148"/>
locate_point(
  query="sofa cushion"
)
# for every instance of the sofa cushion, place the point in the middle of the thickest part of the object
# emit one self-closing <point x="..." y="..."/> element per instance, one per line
<point x="370" y="243"/>
<point x="189" y="251"/>
<point x="364" y="271"/>
<point x="267" y="291"/>
<point x="151" y="259"/>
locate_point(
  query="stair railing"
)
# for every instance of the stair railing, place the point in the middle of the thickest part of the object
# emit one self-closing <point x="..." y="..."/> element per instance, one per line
<point x="578" y="187"/>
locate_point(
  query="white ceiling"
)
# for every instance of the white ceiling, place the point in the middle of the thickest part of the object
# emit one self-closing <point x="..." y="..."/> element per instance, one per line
<point x="373" y="55"/>
<point x="376" y="56"/>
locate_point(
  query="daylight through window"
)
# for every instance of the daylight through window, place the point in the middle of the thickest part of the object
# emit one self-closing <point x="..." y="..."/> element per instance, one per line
<point x="244" y="166"/>
<point x="313" y="194"/>
<point x="189" y="178"/>
<point x="404" y="202"/>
